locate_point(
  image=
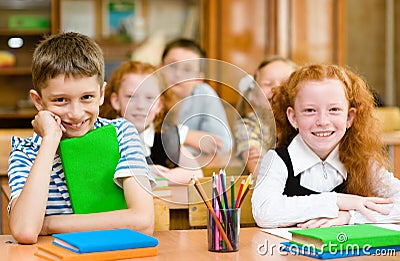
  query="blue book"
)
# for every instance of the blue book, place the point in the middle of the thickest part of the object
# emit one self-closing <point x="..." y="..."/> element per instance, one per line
<point x="104" y="240"/>
<point x="296" y="249"/>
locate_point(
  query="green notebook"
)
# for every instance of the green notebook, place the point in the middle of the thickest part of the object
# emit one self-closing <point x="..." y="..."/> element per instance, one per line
<point x="340" y="238"/>
<point x="89" y="164"/>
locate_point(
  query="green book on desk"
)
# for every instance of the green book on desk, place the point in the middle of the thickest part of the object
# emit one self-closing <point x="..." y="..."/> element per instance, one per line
<point x="89" y="164"/>
<point x="340" y="238"/>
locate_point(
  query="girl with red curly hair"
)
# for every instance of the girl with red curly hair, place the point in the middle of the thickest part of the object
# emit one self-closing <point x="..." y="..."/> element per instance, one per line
<point x="330" y="166"/>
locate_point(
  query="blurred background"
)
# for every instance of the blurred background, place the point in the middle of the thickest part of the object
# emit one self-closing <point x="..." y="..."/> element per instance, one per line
<point x="363" y="34"/>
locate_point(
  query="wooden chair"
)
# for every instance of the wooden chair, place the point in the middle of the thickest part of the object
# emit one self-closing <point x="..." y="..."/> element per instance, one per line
<point x="390" y="118"/>
<point x="5" y="145"/>
<point x="5" y="198"/>
<point x="161" y="215"/>
<point x="198" y="210"/>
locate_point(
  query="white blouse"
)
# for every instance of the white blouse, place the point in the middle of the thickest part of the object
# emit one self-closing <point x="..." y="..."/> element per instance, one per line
<point x="272" y="209"/>
<point x="147" y="137"/>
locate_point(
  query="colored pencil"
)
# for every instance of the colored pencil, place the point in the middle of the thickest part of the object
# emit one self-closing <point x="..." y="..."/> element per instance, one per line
<point x="218" y="199"/>
<point x="232" y="191"/>
<point x="223" y="185"/>
<point x="196" y="182"/>
<point x="247" y="183"/>
<point x="245" y="193"/>
<point x="214" y="229"/>
<point x="239" y="193"/>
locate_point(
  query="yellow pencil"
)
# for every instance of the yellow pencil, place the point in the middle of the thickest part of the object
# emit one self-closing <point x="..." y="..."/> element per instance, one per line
<point x="246" y="184"/>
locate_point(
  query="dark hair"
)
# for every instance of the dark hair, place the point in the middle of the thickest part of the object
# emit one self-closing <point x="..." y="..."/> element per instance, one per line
<point x="185" y="44"/>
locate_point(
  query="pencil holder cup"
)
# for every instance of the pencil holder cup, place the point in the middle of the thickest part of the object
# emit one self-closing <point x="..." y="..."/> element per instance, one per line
<point x="223" y="228"/>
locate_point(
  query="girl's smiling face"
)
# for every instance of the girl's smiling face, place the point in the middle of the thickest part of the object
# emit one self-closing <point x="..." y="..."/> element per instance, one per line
<point x="138" y="99"/>
<point x="321" y="114"/>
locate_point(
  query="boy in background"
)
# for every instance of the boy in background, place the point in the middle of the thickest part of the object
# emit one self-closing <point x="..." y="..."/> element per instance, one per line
<point x="68" y="80"/>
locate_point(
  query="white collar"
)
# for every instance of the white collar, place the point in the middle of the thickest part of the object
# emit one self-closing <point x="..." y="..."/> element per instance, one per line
<point x="147" y="136"/>
<point x="304" y="158"/>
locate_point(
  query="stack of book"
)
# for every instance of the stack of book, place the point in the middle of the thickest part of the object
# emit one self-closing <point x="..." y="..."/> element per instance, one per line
<point x="344" y="241"/>
<point x="162" y="188"/>
<point x="114" y="244"/>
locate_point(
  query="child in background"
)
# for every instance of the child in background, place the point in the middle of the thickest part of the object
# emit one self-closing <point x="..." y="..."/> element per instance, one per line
<point x="68" y="80"/>
<point x="200" y="107"/>
<point x="330" y="164"/>
<point x="135" y="92"/>
<point x="254" y="132"/>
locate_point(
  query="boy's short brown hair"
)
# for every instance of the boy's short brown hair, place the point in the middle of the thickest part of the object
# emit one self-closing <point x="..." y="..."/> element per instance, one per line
<point x="71" y="54"/>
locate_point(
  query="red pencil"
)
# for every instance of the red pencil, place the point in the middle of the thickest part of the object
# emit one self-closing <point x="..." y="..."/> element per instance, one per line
<point x="245" y="193"/>
<point x="196" y="182"/>
<point x="239" y="193"/>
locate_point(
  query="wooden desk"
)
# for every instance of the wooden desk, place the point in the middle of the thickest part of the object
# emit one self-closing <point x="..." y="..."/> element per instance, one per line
<point x="178" y="207"/>
<point x="179" y="199"/>
<point x="186" y="244"/>
<point x="392" y="140"/>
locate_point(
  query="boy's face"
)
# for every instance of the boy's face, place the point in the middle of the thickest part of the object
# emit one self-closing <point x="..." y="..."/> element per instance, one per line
<point x="178" y="74"/>
<point x="75" y="100"/>
<point x="138" y="99"/>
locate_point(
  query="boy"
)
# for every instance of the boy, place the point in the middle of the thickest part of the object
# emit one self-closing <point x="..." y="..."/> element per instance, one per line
<point x="68" y="80"/>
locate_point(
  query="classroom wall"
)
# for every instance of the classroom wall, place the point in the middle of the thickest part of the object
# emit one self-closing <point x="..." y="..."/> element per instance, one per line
<point x="397" y="50"/>
<point x="366" y="40"/>
<point x="367" y="45"/>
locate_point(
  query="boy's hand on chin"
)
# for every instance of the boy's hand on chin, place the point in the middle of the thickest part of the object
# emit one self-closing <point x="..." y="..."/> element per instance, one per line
<point x="47" y="123"/>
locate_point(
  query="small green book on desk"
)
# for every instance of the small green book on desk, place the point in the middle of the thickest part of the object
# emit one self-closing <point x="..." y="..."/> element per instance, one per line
<point x="89" y="164"/>
<point x="340" y="238"/>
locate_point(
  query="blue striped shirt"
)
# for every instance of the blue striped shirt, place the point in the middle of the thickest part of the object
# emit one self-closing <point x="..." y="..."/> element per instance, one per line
<point x="24" y="152"/>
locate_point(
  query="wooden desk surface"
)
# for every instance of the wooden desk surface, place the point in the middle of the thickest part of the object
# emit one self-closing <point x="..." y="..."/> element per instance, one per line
<point x="185" y="244"/>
